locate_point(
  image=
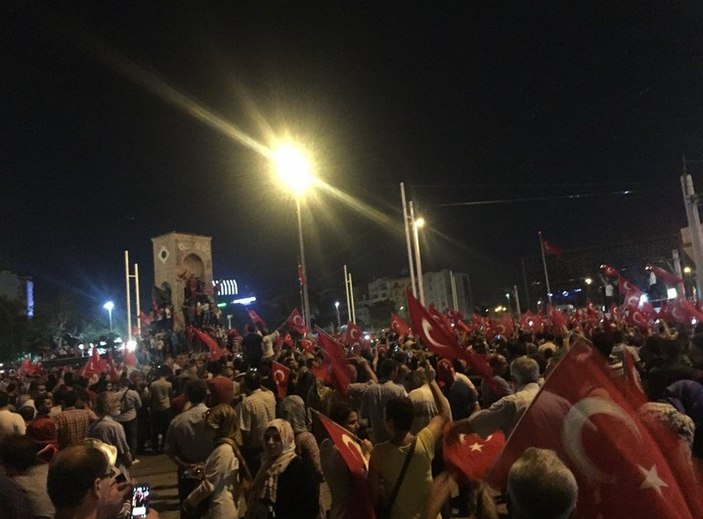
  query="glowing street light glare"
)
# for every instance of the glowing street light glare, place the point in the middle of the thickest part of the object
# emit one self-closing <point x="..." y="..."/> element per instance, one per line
<point x="687" y="270"/>
<point x="131" y="345"/>
<point x="420" y="222"/>
<point x="109" y="306"/>
<point x="588" y="281"/>
<point x="293" y="167"/>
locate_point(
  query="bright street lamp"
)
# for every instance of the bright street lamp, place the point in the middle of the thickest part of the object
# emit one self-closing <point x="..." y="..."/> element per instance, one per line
<point x="294" y="170"/>
<point x="109" y="306"/>
<point x="339" y="318"/>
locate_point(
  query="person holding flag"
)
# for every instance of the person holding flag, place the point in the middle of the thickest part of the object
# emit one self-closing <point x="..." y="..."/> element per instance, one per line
<point x="400" y="470"/>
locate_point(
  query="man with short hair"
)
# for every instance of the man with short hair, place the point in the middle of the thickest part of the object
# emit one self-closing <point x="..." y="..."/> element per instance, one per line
<point x="388" y="458"/>
<point x="160" y="391"/>
<point x="82" y="485"/>
<point x="189" y="441"/>
<point x="254" y="413"/>
<point x="540" y="486"/>
<point x="107" y="430"/>
<point x="127" y="403"/>
<point x="506" y="412"/>
<point x="72" y="423"/>
<point x="376" y="395"/>
<point x="252" y="347"/>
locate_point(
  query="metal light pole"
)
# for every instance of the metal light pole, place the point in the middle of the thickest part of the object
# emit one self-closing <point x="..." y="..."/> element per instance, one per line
<point x="339" y="318"/>
<point x="304" y="275"/>
<point x="417" y="224"/>
<point x="109" y="306"/>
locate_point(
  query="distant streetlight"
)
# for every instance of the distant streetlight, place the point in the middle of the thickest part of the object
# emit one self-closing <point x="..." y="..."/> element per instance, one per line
<point x="588" y="281"/>
<point x="294" y="170"/>
<point x="687" y="270"/>
<point x="339" y="318"/>
<point x="109" y="306"/>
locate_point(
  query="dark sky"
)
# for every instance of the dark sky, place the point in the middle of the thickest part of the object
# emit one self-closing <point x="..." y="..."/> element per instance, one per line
<point x="462" y="101"/>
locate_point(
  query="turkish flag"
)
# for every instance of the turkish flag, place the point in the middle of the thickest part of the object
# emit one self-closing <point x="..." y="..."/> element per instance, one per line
<point x="215" y="351"/>
<point x="144" y="318"/>
<point x="667" y="277"/>
<point x="550" y="248"/>
<point x="112" y="370"/>
<point x="440" y="318"/>
<point x="353" y="334"/>
<point x="255" y="319"/>
<point x="351" y="453"/>
<point x="633" y="297"/>
<point x="334" y="354"/>
<point x="609" y="271"/>
<point x="468" y="457"/>
<point x="281" y="375"/>
<point x="635" y="317"/>
<point x="288" y="340"/>
<point x="94" y="366"/>
<point x="434" y="335"/>
<point x="623" y="467"/>
<point x="399" y="326"/>
<point x="624" y="286"/>
<point x="296" y="322"/>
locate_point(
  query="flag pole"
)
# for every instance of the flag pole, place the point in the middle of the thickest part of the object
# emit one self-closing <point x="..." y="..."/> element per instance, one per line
<point x="136" y="298"/>
<point x="351" y="297"/>
<point x="544" y="264"/>
<point x="354" y="436"/>
<point x="406" y="221"/>
<point x="129" y="297"/>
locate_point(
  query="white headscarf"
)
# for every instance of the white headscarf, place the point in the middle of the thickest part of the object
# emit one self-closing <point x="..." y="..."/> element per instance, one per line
<point x="266" y="480"/>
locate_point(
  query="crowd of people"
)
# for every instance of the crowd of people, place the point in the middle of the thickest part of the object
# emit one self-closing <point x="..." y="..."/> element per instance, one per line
<point x="249" y="442"/>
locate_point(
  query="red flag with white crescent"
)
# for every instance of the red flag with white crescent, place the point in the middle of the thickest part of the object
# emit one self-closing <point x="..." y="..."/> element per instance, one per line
<point x="94" y="366"/>
<point x="255" y="319"/>
<point x="667" y="277"/>
<point x="281" y="375"/>
<point x="609" y="271"/>
<point x="353" y="334"/>
<point x="296" y="322"/>
<point x="112" y="370"/>
<point x="624" y="467"/>
<point x="334" y="354"/>
<point x="351" y="453"/>
<point x="215" y="351"/>
<point x="468" y="457"/>
<point x="399" y="326"/>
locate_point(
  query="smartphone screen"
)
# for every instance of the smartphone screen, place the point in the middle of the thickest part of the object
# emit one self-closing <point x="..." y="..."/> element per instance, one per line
<point x="140" y="500"/>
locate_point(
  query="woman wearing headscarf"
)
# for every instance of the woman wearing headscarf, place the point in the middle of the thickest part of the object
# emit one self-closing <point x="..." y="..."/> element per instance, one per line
<point x="221" y="470"/>
<point x="285" y="487"/>
<point x="292" y="409"/>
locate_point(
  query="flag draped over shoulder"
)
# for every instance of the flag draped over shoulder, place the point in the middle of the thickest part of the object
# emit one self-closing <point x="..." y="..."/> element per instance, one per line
<point x="281" y="375"/>
<point x="351" y="454"/>
<point x="296" y="322"/>
<point x="339" y="370"/>
<point x="623" y="467"/>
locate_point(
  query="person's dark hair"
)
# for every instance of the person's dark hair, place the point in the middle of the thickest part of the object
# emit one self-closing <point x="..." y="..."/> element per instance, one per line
<point x="40" y="405"/>
<point x="196" y="391"/>
<point x="400" y="411"/>
<point x="19" y="452"/>
<point x="252" y="380"/>
<point x="69" y="398"/>
<point x="388" y="366"/>
<point x="26" y="412"/>
<point x="103" y="403"/>
<point x="340" y="412"/>
<point x="73" y="472"/>
<point x="4" y="399"/>
<point x="68" y="378"/>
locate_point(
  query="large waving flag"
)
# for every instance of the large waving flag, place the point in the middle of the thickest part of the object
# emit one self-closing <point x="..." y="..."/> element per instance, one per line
<point x="281" y="375"/>
<point x="112" y="370"/>
<point x="351" y="454"/>
<point x="339" y="369"/>
<point x="623" y="467"/>
<point x="667" y="277"/>
<point x="296" y="322"/>
<point x="443" y="341"/>
<point x="255" y="319"/>
<point x="215" y="351"/>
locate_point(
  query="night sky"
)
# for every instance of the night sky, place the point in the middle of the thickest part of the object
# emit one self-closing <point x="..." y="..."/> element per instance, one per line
<point x="108" y="134"/>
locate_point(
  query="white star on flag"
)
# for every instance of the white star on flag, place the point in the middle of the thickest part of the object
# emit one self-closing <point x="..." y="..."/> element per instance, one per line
<point x="652" y="479"/>
<point x="476" y="447"/>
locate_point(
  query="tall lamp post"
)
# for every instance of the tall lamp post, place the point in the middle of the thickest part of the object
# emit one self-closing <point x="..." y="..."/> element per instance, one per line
<point x="109" y="306"/>
<point x="418" y="223"/>
<point x="293" y="168"/>
<point x="339" y="318"/>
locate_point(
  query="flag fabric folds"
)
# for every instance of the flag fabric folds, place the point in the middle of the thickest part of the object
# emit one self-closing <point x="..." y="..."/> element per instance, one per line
<point x="296" y="322"/>
<point x="550" y="248"/>
<point x="468" y="457"/>
<point x="255" y="319"/>
<point x="215" y="351"/>
<point x="281" y="375"/>
<point x="94" y="366"/>
<point x="399" y="326"/>
<point x="112" y="370"/>
<point x="667" y="277"/>
<point x="334" y="354"/>
<point x="353" y="334"/>
<point x="351" y="454"/>
<point x="623" y="467"/>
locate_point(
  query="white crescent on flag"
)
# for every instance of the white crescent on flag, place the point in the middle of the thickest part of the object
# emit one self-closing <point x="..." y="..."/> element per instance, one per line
<point x="577" y="418"/>
<point x="354" y="448"/>
<point x="298" y="319"/>
<point x="279" y="376"/>
<point x="427" y="331"/>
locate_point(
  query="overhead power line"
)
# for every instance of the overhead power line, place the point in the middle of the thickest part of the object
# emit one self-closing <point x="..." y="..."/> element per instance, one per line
<point x="573" y="196"/>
